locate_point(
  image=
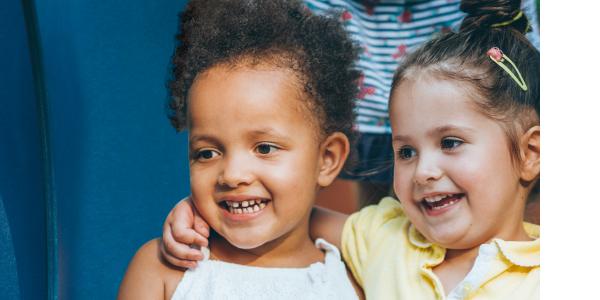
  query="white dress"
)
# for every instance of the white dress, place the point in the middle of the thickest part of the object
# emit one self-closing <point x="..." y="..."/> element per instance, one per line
<point x="213" y="279"/>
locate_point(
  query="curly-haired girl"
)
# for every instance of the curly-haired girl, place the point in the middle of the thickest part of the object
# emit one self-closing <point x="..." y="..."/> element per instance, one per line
<point x="265" y="90"/>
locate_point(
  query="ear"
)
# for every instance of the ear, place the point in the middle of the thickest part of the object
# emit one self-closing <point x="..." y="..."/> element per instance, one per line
<point x="332" y="156"/>
<point x="530" y="154"/>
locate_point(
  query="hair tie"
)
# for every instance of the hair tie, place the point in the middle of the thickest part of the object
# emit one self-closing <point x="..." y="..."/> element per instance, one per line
<point x="497" y="56"/>
<point x="515" y="18"/>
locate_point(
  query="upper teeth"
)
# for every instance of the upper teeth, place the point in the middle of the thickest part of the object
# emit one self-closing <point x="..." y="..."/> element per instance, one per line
<point x="436" y="198"/>
<point x="247" y="206"/>
<point x="245" y="203"/>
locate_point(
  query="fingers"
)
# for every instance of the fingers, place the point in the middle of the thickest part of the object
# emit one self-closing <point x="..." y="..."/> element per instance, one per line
<point x="182" y="263"/>
<point x="182" y="233"/>
<point x="201" y="227"/>
<point x="177" y="253"/>
<point x="184" y="223"/>
<point x="183" y="230"/>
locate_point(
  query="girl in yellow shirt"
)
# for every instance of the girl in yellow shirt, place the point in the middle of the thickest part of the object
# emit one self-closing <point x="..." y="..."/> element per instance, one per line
<point x="464" y="112"/>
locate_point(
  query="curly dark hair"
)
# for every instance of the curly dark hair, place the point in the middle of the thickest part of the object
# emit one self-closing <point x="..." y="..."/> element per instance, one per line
<point x="283" y="33"/>
<point x="463" y="56"/>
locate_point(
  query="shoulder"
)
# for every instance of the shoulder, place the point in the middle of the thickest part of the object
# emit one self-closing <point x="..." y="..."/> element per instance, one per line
<point x="366" y="230"/>
<point x="148" y="275"/>
<point x="375" y="222"/>
<point x="388" y="210"/>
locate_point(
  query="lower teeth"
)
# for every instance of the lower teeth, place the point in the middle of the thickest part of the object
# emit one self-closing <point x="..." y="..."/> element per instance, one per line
<point x="444" y="205"/>
<point x="433" y="206"/>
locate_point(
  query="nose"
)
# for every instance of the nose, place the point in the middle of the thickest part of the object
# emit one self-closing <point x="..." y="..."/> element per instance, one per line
<point x="236" y="171"/>
<point x="427" y="170"/>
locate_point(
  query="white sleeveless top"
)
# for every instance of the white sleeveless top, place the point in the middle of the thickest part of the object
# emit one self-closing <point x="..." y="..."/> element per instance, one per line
<point x="213" y="279"/>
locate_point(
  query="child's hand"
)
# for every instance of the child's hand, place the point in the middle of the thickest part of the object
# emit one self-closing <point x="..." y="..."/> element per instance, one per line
<point x="182" y="229"/>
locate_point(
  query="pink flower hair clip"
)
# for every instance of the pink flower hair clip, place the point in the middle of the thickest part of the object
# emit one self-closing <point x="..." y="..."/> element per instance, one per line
<point x="497" y="56"/>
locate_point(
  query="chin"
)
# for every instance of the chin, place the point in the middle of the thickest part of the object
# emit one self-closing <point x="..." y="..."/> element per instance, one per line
<point x="248" y="245"/>
<point x="243" y="242"/>
<point x="451" y="237"/>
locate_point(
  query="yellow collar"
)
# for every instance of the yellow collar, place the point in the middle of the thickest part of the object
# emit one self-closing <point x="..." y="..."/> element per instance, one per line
<point x="520" y="253"/>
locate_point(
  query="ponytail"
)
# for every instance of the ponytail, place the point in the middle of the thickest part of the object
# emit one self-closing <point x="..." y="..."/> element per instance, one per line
<point x="491" y="14"/>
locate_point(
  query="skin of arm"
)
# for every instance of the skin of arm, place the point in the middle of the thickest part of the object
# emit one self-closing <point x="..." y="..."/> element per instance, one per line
<point x="149" y="276"/>
<point x="327" y="224"/>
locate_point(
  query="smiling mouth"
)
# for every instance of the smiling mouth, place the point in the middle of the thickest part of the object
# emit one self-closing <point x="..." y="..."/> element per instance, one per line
<point x="440" y="202"/>
<point x="244" y="207"/>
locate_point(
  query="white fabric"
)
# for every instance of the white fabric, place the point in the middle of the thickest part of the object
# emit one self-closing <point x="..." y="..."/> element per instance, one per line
<point x="213" y="279"/>
<point x="475" y="278"/>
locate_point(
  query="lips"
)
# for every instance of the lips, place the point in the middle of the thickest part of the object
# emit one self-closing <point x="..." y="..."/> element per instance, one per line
<point x="439" y="202"/>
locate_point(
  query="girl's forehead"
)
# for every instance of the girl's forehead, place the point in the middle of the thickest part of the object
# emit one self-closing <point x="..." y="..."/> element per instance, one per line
<point x="431" y="92"/>
<point x="424" y="103"/>
<point x="264" y="93"/>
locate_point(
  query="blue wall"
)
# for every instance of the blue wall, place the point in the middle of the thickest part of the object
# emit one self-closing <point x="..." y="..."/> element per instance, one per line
<point x="89" y="164"/>
<point x="22" y="211"/>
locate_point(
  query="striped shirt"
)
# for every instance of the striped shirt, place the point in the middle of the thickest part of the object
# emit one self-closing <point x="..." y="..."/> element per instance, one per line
<point x="386" y="33"/>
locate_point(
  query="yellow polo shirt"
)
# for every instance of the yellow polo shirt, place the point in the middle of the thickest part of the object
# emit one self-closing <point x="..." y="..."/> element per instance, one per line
<point x="390" y="259"/>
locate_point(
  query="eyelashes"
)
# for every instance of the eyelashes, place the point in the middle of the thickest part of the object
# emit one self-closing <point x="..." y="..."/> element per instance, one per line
<point x="209" y="154"/>
<point x="450" y="143"/>
<point x="406" y="153"/>
<point x="447" y="144"/>
<point x="205" y="155"/>
<point x="266" y="148"/>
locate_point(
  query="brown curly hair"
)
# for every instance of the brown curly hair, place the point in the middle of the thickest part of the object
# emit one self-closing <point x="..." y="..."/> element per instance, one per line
<point x="280" y="32"/>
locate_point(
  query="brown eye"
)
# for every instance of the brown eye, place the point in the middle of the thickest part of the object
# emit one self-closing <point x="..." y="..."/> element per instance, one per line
<point x="206" y="154"/>
<point x="406" y="153"/>
<point x="450" y="143"/>
<point x="266" y="149"/>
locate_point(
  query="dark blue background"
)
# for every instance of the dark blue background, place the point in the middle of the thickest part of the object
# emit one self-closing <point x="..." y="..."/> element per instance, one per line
<point x="89" y="165"/>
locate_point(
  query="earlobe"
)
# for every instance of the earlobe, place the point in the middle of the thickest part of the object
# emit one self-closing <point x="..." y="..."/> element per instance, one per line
<point x="333" y="154"/>
<point x="530" y="154"/>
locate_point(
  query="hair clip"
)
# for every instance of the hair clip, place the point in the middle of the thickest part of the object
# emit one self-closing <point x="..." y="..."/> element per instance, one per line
<point x="515" y="18"/>
<point x="497" y="56"/>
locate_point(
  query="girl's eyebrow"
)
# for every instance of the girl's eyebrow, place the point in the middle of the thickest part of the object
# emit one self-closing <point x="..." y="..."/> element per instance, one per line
<point x="268" y="132"/>
<point x="447" y="128"/>
<point x="203" y="137"/>
<point x="254" y="133"/>
<point x="399" y="137"/>
<point x="435" y="132"/>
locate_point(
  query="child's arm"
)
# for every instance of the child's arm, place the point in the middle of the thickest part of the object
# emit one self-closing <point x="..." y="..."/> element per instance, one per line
<point x="146" y="275"/>
<point x="327" y="224"/>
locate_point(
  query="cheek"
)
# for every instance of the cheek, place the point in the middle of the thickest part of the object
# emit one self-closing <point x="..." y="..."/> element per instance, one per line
<point x="402" y="182"/>
<point x="488" y="178"/>
<point x="201" y="180"/>
<point x="483" y="169"/>
<point x="293" y="171"/>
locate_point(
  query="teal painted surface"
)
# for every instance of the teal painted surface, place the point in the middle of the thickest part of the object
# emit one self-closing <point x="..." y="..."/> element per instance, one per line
<point x="22" y="211"/>
<point x="118" y="165"/>
<point x="113" y="166"/>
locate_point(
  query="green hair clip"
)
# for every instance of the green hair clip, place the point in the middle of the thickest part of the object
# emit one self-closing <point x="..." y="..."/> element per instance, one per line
<point x="515" y="18"/>
<point x="497" y="56"/>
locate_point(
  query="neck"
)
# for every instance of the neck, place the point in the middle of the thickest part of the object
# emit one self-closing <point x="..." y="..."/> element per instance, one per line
<point x="513" y="229"/>
<point x="294" y="249"/>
